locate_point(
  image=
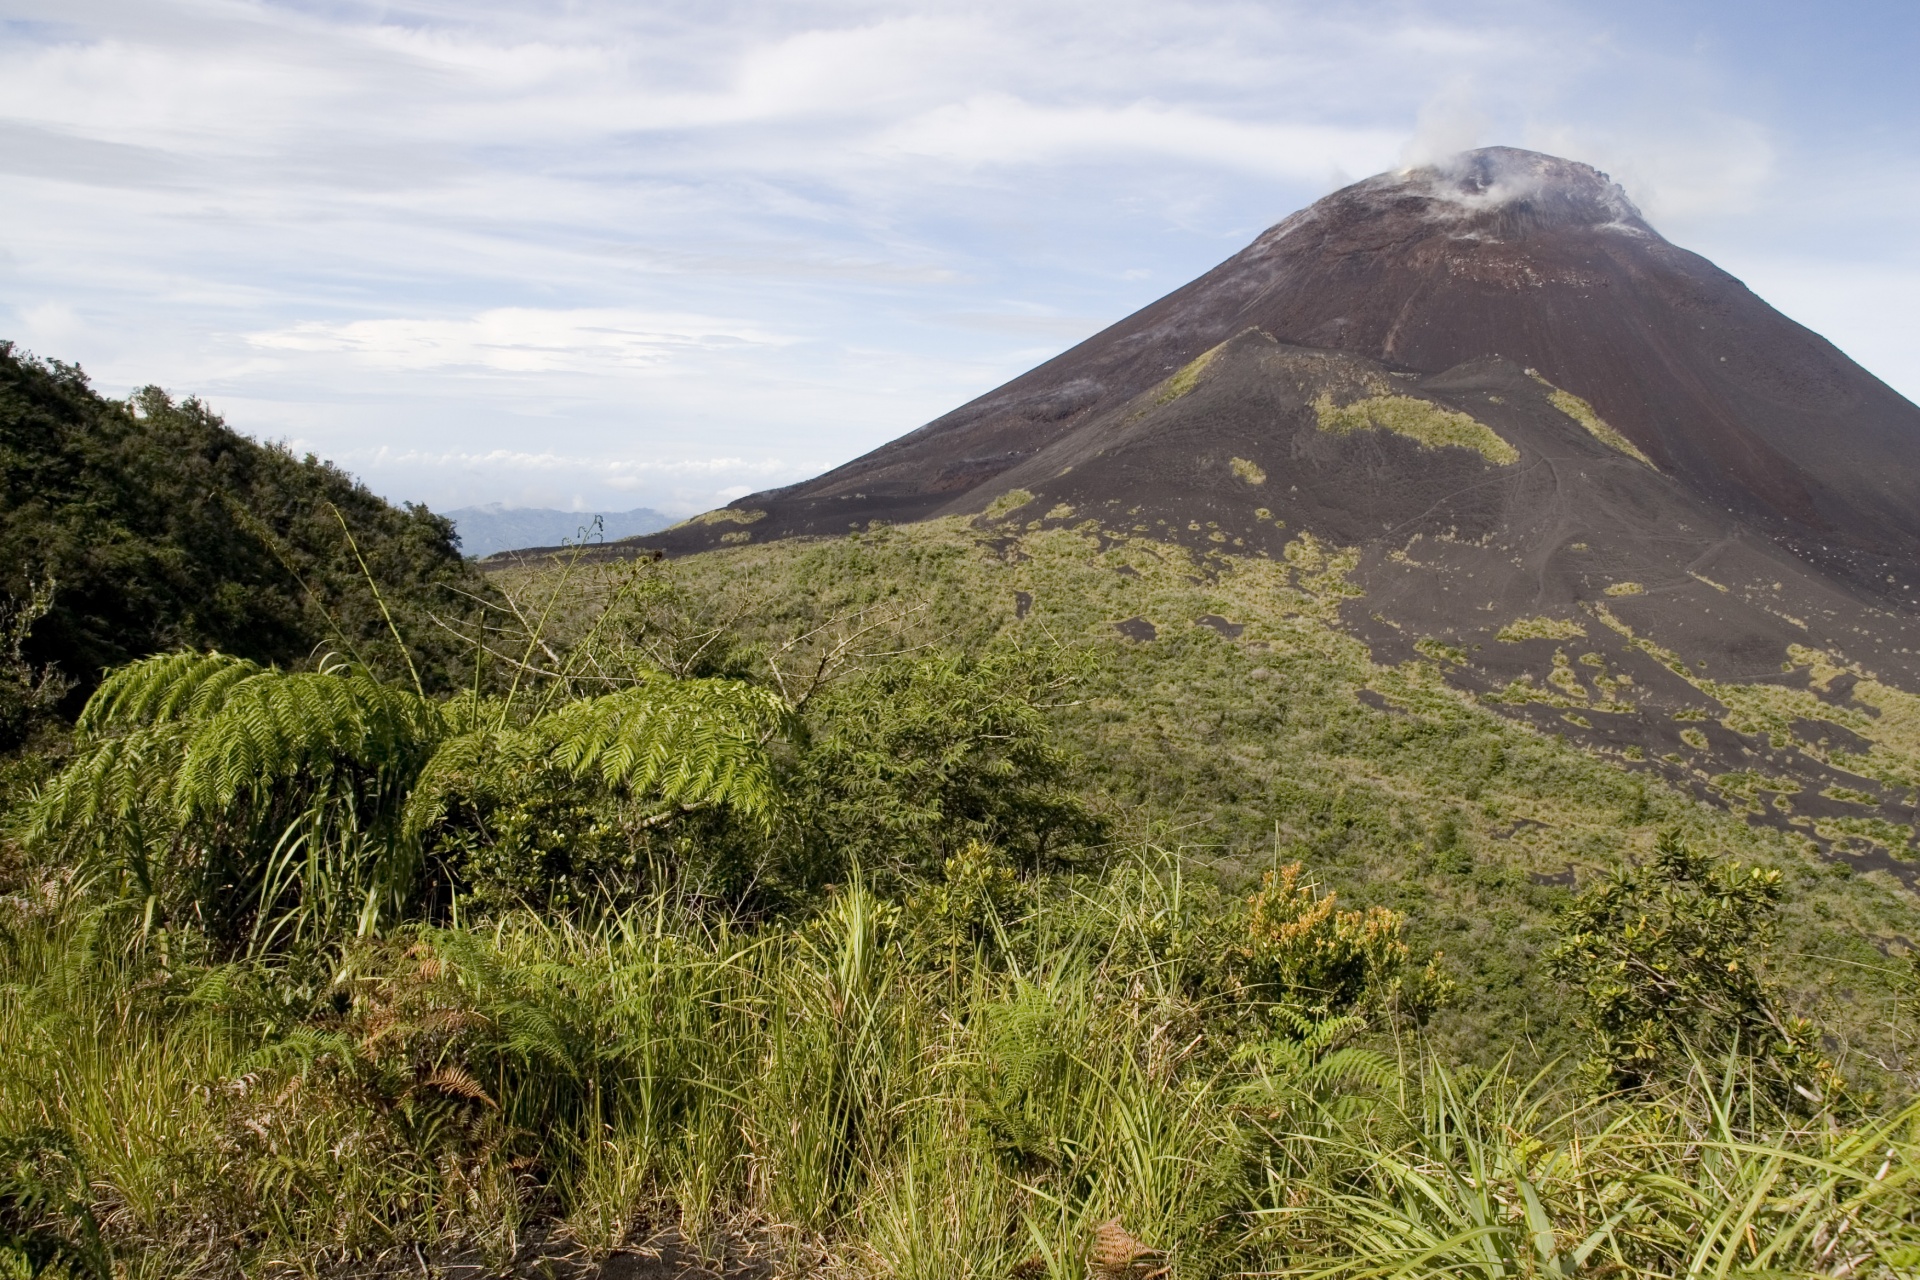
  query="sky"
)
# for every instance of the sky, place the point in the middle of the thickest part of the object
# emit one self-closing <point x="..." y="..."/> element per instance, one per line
<point x="608" y="255"/>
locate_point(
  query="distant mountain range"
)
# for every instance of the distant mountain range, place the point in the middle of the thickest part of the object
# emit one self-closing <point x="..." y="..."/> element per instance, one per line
<point x="487" y="529"/>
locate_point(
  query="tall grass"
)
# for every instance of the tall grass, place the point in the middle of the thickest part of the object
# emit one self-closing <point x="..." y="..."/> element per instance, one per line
<point x="866" y="1105"/>
<point x="1504" y="1178"/>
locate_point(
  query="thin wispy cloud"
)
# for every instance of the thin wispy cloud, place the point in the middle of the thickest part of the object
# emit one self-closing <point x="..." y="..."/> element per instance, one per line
<point x="520" y="340"/>
<point x="580" y="481"/>
<point x="411" y="237"/>
<point x="631" y="467"/>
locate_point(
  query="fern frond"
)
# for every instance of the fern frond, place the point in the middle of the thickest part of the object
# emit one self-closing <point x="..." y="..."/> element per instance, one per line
<point x="536" y="1036"/>
<point x="687" y="741"/>
<point x="168" y="686"/>
<point x="1353" y="1067"/>
<point x="303" y="1048"/>
<point x="457" y="1082"/>
<point x="110" y="785"/>
<point x="467" y="711"/>
<point x="459" y="766"/>
<point x="307" y="723"/>
<point x="682" y="742"/>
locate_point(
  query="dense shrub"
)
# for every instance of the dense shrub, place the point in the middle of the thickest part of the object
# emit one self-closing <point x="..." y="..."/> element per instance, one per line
<point x="1667" y="958"/>
<point x="915" y="759"/>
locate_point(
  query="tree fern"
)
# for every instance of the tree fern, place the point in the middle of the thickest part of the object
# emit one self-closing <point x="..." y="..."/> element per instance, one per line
<point x="240" y="790"/>
<point x="269" y="732"/>
<point x="110" y="787"/>
<point x="684" y="742"/>
<point x="202" y="733"/>
<point x="164" y="688"/>
<point x="689" y="741"/>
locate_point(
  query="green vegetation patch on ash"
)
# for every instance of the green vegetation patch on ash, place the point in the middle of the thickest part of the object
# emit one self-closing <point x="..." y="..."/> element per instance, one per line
<point x="1187" y="377"/>
<point x="1010" y="501"/>
<point x="1583" y="413"/>
<point x="1540" y="628"/>
<point x="1430" y="425"/>
<point x="1885" y="716"/>
<point x="723" y="515"/>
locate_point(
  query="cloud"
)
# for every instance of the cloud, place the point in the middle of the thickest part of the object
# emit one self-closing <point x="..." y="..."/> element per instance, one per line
<point x="772" y="228"/>
<point x="1001" y="129"/>
<point x="520" y="340"/>
<point x="50" y="326"/>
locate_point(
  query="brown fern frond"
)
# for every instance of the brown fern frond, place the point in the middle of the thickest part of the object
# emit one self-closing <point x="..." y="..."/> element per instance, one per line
<point x="455" y="1082"/>
<point x="1118" y="1253"/>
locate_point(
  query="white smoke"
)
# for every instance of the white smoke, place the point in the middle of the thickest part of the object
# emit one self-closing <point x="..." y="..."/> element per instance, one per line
<point x="1463" y="184"/>
<point x="1449" y="122"/>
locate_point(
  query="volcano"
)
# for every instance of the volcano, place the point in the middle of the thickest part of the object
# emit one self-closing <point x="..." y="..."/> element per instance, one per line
<point x="1502" y="255"/>
<point x="1543" y="427"/>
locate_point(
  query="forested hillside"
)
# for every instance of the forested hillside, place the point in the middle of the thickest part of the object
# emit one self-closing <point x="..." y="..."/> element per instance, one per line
<point x="135" y="526"/>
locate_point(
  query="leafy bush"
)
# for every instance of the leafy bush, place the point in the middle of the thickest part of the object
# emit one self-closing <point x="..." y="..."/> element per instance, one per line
<point x="911" y="761"/>
<point x="977" y="898"/>
<point x="1303" y="952"/>
<point x="29" y="694"/>
<point x="1666" y="959"/>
